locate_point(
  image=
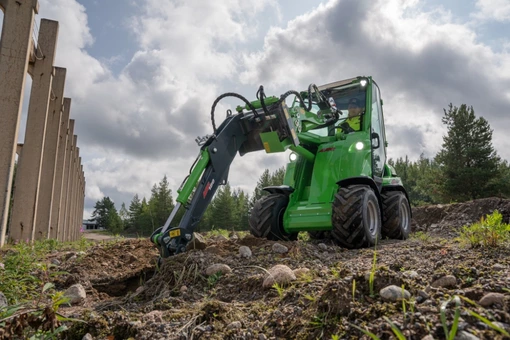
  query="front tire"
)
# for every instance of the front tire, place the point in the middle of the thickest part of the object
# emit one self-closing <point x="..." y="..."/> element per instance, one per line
<point x="356" y="217"/>
<point x="319" y="235"/>
<point x="266" y="219"/>
<point x="396" y="215"/>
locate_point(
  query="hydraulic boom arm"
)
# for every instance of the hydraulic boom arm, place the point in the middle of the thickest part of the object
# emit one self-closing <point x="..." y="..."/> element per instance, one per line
<point x="243" y="133"/>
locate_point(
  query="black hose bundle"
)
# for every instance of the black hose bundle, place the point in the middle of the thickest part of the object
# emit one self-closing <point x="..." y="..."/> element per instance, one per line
<point x="260" y="96"/>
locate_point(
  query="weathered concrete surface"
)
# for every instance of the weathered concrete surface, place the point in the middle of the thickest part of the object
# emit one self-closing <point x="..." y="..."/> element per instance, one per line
<point x="51" y="143"/>
<point x="59" y="169"/>
<point x="28" y="175"/>
<point x="15" y="45"/>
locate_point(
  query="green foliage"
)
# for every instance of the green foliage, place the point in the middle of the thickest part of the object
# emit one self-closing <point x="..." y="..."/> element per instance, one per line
<point x="371" y="278"/>
<point x="422" y="236"/>
<point x="267" y="179"/>
<point x="279" y="289"/>
<point x="223" y="208"/>
<point x="489" y="232"/>
<point x="467" y="159"/>
<point x="26" y="282"/>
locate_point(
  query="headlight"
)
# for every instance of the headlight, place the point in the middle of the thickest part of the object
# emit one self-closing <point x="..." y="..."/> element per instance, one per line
<point x="359" y="146"/>
<point x="363" y="82"/>
<point x="293" y="157"/>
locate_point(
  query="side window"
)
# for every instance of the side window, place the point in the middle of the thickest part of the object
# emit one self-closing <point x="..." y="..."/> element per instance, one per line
<point x="377" y="130"/>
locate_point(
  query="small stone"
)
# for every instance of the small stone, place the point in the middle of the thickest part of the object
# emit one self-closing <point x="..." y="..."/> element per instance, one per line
<point x="423" y="294"/>
<point x="322" y="246"/>
<point x="197" y="242"/>
<point x="139" y="290"/>
<point x="280" y="274"/>
<point x="69" y="255"/>
<point x="262" y="337"/>
<point x="56" y="262"/>
<point x="72" y="258"/>
<point x="154" y="316"/>
<point x="2" y="266"/>
<point x="300" y="272"/>
<point x="428" y="337"/>
<point x="3" y="300"/>
<point x="498" y="266"/>
<point x="234" y="237"/>
<point x="235" y="325"/>
<point x="76" y="294"/>
<point x="218" y="268"/>
<point x="280" y="248"/>
<point x="445" y="281"/>
<point x="394" y="293"/>
<point x="245" y="251"/>
<point x="87" y="336"/>
<point x="411" y="274"/>
<point x="463" y="335"/>
<point x="492" y="299"/>
<point x="183" y="289"/>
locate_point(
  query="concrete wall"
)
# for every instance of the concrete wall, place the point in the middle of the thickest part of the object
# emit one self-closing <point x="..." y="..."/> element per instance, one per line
<point x="46" y="199"/>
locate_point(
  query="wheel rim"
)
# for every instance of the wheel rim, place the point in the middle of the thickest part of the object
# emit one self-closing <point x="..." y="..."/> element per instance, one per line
<point x="372" y="217"/>
<point x="404" y="215"/>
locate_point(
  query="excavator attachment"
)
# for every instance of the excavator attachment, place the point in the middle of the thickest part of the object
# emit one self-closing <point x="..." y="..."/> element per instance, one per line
<point x="265" y="124"/>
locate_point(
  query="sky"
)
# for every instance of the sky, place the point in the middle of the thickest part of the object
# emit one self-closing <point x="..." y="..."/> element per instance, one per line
<point x="142" y="75"/>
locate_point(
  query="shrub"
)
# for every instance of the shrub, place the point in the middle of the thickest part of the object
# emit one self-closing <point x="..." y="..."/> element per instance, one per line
<point x="489" y="232"/>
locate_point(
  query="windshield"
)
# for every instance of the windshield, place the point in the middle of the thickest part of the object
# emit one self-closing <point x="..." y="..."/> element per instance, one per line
<point x="350" y="101"/>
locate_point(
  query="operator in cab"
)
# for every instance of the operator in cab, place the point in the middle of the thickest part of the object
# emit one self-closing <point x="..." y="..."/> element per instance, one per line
<point x="353" y="121"/>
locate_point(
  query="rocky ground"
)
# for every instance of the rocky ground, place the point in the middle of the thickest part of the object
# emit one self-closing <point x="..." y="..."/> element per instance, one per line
<point x="326" y="292"/>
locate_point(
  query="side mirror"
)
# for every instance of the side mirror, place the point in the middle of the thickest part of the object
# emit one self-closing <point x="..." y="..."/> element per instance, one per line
<point x="376" y="142"/>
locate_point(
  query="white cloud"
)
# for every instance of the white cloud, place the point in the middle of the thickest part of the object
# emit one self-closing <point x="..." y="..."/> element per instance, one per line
<point x="139" y="125"/>
<point x="497" y="10"/>
<point x="422" y="61"/>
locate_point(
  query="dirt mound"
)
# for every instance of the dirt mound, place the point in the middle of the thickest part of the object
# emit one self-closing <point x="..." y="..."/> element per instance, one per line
<point x="129" y="297"/>
<point x="446" y="219"/>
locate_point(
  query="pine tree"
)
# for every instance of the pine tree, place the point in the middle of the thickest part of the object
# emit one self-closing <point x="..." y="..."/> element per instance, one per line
<point x="467" y="159"/>
<point x="135" y="209"/>
<point x="161" y="202"/>
<point x="102" y="208"/>
<point x="124" y="215"/>
<point x="222" y="208"/>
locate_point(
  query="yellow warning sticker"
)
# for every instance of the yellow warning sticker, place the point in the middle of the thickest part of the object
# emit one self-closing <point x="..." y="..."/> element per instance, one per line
<point x="266" y="146"/>
<point x="175" y="232"/>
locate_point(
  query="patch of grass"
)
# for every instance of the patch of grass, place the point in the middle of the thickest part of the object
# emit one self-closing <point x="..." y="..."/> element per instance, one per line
<point x="371" y="278"/>
<point x="217" y="232"/>
<point x="279" y="288"/>
<point x="303" y="236"/>
<point x="213" y="279"/>
<point x="26" y="283"/>
<point x="490" y="232"/>
<point x="421" y="236"/>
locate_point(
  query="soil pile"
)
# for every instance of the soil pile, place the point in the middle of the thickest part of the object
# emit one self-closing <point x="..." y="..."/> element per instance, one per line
<point x="446" y="219"/>
<point x="334" y="291"/>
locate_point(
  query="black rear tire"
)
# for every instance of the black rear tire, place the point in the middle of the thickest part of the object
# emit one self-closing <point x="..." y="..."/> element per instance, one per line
<point x="266" y="219"/>
<point x="356" y="217"/>
<point x="396" y="215"/>
<point x="319" y="235"/>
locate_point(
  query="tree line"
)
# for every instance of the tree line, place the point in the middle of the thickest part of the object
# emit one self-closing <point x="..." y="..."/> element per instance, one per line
<point x="229" y="209"/>
<point x="467" y="167"/>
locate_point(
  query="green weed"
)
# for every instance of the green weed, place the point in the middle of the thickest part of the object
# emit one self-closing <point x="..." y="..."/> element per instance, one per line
<point x="371" y="278"/>
<point x="279" y="288"/>
<point x="490" y="232"/>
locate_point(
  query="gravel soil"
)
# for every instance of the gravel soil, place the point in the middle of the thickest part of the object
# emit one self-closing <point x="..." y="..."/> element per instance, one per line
<point x="331" y="292"/>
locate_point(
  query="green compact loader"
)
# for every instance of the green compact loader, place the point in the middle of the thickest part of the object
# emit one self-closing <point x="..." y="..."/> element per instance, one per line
<point x="337" y="182"/>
